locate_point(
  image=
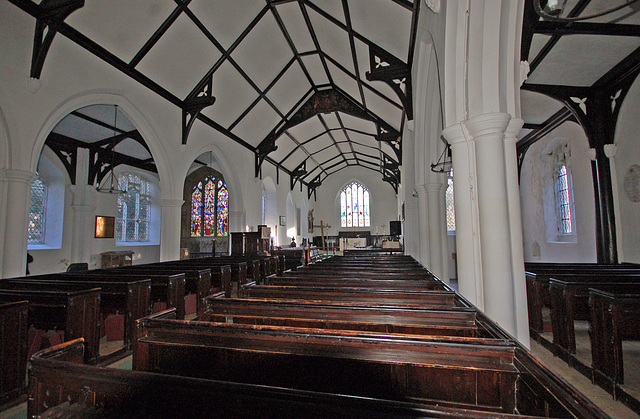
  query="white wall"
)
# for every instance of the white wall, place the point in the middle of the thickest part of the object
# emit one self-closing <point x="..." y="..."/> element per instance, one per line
<point x="531" y="194"/>
<point x="628" y="153"/>
<point x="383" y="201"/>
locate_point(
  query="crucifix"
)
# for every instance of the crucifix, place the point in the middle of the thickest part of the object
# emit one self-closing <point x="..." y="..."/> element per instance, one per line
<point x="322" y="227"/>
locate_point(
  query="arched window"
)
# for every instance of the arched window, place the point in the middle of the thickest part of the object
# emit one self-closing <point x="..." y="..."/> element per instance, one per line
<point x="354" y="206"/>
<point x="210" y="206"/>
<point x="264" y="204"/>
<point x="134" y="209"/>
<point x="563" y="201"/>
<point x="559" y="214"/>
<point x="37" y="211"/>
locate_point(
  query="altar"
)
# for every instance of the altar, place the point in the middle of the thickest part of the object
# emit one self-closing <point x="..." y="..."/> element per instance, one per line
<point x="356" y="242"/>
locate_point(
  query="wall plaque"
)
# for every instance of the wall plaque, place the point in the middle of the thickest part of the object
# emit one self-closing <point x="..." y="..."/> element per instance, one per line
<point x="632" y="183"/>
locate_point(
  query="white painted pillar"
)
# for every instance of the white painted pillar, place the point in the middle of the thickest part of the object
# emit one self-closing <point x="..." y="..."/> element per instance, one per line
<point x="515" y="226"/>
<point x="487" y="131"/>
<point x="84" y="211"/>
<point x="435" y="193"/>
<point x="170" y="224"/>
<point x="423" y="226"/>
<point x="18" y="185"/>
<point x="467" y="234"/>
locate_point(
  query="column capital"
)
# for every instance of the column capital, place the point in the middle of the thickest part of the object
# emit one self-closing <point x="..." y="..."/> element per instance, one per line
<point x="610" y="150"/>
<point x="435" y="187"/>
<point x="19" y="176"/>
<point x="488" y="124"/>
<point x="514" y="128"/>
<point x="455" y="134"/>
<point x="420" y="189"/>
<point x="166" y="203"/>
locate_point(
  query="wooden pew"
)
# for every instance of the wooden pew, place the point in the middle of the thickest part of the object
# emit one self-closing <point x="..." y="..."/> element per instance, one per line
<point x="570" y="301"/>
<point x="363" y="295"/>
<point x="328" y="281"/>
<point x="117" y="296"/>
<point x="13" y="356"/>
<point x="198" y="280"/>
<point x="403" y="368"/>
<point x="436" y="321"/>
<point x="168" y="288"/>
<point x="51" y="307"/>
<point x="221" y="275"/>
<point x="61" y="384"/>
<point x="615" y="315"/>
<point x="537" y="276"/>
<point x="238" y="268"/>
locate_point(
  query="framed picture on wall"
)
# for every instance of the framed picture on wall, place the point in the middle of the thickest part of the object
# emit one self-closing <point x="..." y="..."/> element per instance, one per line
<point x="105" y="227"/>
<point x="283" y="220"/>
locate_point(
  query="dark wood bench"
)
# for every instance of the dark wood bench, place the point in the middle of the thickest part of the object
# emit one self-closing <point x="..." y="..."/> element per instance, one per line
<point x="221" y="275"/>
<point x="615" y="316"/>
<point x="167" y="288"/>
<point x="61" y="384"/>
<point x="537" y="276"/>
<point x="198" y="280"/>
<point x="405" y="368"/>
<point x="328" y="281"/>
<point x="74" y="310"/>
<point x="239" y="269"/>
<point x="13" y="356"/>
<point x="570" y="301"/>
<point x="363" y="295"/>
<point x="118" y="296"/>
<point x="442" y="321"/>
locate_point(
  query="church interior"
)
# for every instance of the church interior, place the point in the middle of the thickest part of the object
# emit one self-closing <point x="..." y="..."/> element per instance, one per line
<point x="175" y="167"/>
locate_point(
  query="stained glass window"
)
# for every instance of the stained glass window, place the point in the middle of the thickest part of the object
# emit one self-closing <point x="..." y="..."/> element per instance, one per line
<point x="37" y="208"/>
<point x="132" y="221"/>
<point x="355" y="210"/>
<point x="210" y="207"/>
<point x="223" y="210"/>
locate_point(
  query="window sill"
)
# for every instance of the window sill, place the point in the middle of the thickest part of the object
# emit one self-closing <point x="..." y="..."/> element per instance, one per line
<point x="136" y="244"/>
<point x="42" y="247"/>
<point x="568" y="239"/>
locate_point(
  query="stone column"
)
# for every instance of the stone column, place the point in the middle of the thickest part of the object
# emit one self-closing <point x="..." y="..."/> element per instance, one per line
<point x="18" y="185"/>
<point x="467" y="234"/>
<point x="423" y="226"/>
<point x="84" y="210"/>
<point x="435" y="215"/>
<point x="487" y="131"/>
<point x="515" y="226"/>
<point x="170" y="223"/>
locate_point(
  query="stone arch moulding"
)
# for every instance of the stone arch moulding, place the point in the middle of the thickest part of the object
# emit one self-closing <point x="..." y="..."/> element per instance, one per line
<point x="135" y="116"/>
<point x="236" y="200"/>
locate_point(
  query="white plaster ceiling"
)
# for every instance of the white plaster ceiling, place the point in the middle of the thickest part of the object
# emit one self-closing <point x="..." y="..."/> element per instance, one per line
<point x="267" y="58"/>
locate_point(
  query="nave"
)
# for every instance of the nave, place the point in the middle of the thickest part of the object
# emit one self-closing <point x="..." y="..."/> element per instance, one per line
<point x="396" y="336"/>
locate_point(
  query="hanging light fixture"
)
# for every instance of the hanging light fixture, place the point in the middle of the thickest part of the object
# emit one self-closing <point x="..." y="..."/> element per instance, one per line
<point x="110" y="183"/>
<point x="554" y="9"/>
<point x="443" y="165"/>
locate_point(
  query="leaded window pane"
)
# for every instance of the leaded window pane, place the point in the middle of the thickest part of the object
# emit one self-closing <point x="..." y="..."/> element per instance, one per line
<point x="37" y="209"/>
<point x="355" y="209"/>
<point x="133" y="208"/>
<point x="223" y="210"/>
<point x="451" y="213"/>
<point x="343" y="209"/>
